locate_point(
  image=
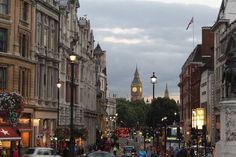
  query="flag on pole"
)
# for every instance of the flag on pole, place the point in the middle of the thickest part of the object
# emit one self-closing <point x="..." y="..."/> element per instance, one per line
<point x="191" y="21"/>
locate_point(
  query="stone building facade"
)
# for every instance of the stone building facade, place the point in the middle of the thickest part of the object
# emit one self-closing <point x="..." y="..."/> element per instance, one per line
<point x="101" y="83"/>
<point x="47" y="68"/>
<point x="17" y="57"/>
<point x="87" y="80"/>
<point x="111" y="112"/>
<point x="36" y="39"/>
<point x="224" y="43"/>
<point x="77" y="37"/>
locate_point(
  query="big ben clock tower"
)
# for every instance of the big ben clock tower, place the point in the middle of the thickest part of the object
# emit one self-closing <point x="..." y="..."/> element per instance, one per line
<point x="136" y="87"/>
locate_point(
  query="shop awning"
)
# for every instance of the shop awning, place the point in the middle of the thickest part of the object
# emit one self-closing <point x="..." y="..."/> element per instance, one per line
<point x="24" y="128"/>
<point x="8" y="133"/>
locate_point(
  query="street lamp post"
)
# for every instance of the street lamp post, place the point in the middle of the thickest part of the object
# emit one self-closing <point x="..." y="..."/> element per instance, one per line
<point x="165" y="137"/>
<point x="72" y="137"/>
<point x="58" y="101"/>
<point x="153" y="81"/>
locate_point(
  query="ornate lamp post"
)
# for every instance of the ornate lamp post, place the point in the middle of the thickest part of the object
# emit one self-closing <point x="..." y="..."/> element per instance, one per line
<point x="72" y="137"/>
<point x="153" y="81"/>
<point x="58" y="101"/>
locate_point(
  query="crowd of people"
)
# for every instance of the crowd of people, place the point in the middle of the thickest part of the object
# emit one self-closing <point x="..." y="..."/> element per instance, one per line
<point x="7" y="152"/>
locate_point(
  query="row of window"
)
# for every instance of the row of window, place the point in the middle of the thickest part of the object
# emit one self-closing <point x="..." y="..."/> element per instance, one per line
<point x="24" y="9"/>
<point x="23" y="42"/>
<point x="47" y="29"/>
<point x="24" y="79"/>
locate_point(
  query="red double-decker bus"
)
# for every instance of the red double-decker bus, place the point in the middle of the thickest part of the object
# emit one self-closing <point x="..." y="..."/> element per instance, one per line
<point x="122" y="132"/>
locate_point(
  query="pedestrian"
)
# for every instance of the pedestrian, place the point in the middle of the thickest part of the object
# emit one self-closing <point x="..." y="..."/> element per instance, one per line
<point x="115" y="150"/>
<point x="4" y="153"/>
<point x="66" y="152"/>
<point x="192" y="152"/>
<point x="15" y="152"/>
<point x="142" y="152"/>
<point x="149" y="152"/>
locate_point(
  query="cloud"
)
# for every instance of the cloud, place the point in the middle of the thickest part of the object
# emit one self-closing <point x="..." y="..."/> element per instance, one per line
<point x="133" y="41"/>
<point x="118" y="30"/>
<point x="210" y="3"/>
<point x="151" y="35"/>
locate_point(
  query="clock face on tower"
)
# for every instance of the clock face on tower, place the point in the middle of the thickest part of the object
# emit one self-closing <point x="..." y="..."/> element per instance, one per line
<point x="134" y="89"/>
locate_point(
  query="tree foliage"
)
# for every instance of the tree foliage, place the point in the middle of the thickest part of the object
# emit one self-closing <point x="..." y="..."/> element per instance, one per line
<point x="160" y="108"/>
<point x="131" y="114"/>
<point x="138" y="114"/>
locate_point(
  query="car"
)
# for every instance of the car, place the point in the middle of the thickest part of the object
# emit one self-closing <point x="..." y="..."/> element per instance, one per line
<point x="100" y="154"/>
<point x="40" y="152"/>
<point x="129" y="151"/>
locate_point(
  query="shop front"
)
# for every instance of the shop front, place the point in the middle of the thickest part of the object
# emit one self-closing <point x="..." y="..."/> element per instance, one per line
<point x="44" y="132"/>
<point x="24" y="128"/>
<point x="9" y="139"/>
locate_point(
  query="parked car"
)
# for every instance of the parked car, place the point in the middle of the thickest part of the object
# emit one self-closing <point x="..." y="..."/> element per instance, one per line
<point x="40" y="152"/>
<point x="129" y="151"/>
<point x="100" y="154"/>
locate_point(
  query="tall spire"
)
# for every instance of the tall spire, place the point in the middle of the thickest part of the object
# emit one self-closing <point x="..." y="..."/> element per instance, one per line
<point x="166" y="92"/>
<point x="136" y="79"/>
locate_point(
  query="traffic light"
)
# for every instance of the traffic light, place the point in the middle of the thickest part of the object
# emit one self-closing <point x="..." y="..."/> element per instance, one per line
<point x="179" y="134"/>
<point x="193" y="133"/>
<point x="204" y="130"/>
<point x="168" y="132"/>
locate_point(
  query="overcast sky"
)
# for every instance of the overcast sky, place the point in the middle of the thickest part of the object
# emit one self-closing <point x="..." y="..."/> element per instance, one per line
<point x="149" y="34"/>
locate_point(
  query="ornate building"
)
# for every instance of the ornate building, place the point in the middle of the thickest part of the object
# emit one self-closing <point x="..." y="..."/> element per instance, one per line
<point x="224" y="44"/>
<point x="87" y="80"/>
<point x="36" y="39"/>
<point x="69" y="43"/>
<point x="47" y="69"/>
<point x="101" y="82"/>
<point x="136" y="87"/>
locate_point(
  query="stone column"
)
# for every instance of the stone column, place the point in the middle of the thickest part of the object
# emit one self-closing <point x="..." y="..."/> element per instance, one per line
<point x="226" y="147"/>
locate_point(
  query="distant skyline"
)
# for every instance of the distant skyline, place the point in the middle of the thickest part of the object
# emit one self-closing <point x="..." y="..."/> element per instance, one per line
<point x="149" y="34"/>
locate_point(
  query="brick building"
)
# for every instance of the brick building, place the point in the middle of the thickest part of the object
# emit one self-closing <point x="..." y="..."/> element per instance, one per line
<point x="190" y="79"/>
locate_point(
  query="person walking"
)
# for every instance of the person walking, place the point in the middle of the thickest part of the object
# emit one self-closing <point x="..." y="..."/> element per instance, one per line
<point x="4" y="153"/>
<point x="115" y="150"/>
<point x="16" y="152"/>
<point x="66" y="152"/>
<point x="142" y="152"/>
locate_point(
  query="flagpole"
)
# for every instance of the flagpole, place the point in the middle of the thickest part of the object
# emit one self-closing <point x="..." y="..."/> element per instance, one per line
<point x="193" y="32"/>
